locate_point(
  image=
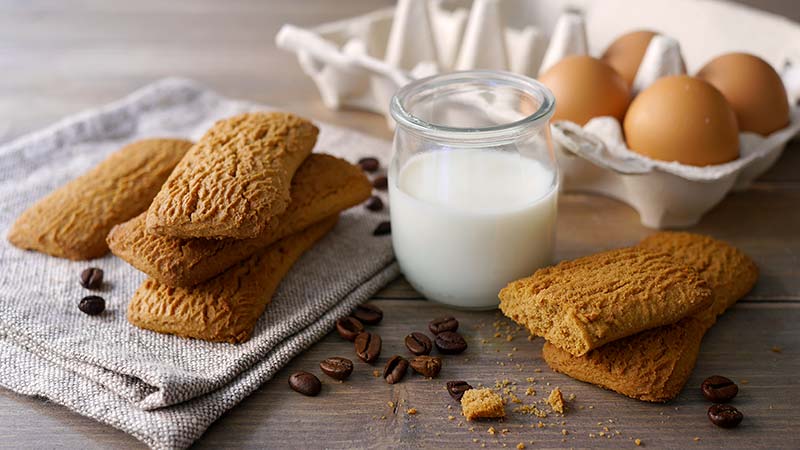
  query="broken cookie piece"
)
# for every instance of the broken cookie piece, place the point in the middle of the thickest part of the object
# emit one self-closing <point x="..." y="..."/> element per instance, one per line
<point x="482" y="404"/>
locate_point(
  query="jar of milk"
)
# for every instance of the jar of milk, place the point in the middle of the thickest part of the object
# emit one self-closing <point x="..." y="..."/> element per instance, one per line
<point x="473" y="184"/>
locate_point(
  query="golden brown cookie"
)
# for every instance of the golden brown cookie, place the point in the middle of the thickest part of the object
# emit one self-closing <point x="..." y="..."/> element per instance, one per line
<point x="225" y="308"/>
<point x="235" y="179"/>
<point x="73" y="221"/>
<point x="654" y="365"/>
<point x="323" y="185"/>
<point x="482" y="404"/>
<point x="582" y="304"/>
<point x="727" y="270"/>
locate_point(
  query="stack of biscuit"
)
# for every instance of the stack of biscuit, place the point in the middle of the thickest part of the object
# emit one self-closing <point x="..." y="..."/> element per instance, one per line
<point x="631" y="320"/>
<point x="215" y="224"/>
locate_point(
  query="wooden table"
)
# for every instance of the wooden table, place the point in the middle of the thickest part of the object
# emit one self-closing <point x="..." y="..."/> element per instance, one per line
<point x="59" y="57"/>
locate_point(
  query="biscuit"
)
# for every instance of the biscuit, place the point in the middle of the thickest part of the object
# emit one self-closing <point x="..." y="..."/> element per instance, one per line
<point x="482" y="404"/>
<point x="323" y="185"/>
<point x="227" y="307"/>
<point x="654" y="365"/>
<point x="235" y="179"/>
<point x="73" y="221"/>
<point x="582" y="304"/>
<point x="728" y="271"/>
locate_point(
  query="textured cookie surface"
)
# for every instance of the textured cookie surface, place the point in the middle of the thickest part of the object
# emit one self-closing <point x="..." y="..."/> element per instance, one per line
<point x="582" y="304"/>
<point x="73" y="221"/>
<point x="654" y="365"/>
<point x="225" y="308"/>
<point x="482" y="404"/>
<point x="322" y="186"/>
<point x="235" y="179"/>
<point x="727" y="270"/>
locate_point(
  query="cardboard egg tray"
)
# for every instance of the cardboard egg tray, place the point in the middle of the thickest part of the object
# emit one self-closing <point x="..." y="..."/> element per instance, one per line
<point x="360" y="62"/>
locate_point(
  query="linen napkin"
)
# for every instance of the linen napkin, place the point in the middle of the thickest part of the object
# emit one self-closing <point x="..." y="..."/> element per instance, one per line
<point x="161" y="389"/>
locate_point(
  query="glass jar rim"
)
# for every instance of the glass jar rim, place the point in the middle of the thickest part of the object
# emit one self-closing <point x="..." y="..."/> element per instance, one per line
<point x="495" y="132"/>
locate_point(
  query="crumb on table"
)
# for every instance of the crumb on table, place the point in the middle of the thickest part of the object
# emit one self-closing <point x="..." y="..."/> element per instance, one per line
<point x="556" y="401"/>
<point x="482" y="403"/>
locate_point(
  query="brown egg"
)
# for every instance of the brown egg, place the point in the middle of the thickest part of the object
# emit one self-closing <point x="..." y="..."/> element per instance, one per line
<point x="753" y="89"/>
<point x="585" y="87"/>
<point x="626" y="53"/>
<point x="683" y="119"/>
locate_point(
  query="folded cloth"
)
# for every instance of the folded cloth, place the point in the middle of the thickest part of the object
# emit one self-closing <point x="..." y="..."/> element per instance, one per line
<point x="162" y="389"/>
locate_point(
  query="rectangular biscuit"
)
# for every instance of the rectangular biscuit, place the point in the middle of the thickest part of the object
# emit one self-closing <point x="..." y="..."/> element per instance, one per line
<point x="234" y="179"/>
<point x="654" y="365"/>
<point x="225" y="308"/>
<point x="582" y="304"/>
<point x="73" y="221"/>
<point x="323" y="185"/>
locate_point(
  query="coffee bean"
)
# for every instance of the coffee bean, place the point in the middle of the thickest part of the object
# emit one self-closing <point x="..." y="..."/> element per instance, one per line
<point x="305" y="383"/>
<point x="448" y="323"/>
<point x="383" y="229"/>
<point x="725" y="416"/>
<point x="349" y="327"/>
<point x="380" y="182"/>
<point x="450" y="342"/>
<point x="92" y="305"/>
<point x="368" y="346"/>
<point x="369" y="164"/>
<point x="336" y="367"/>
<point x="456" y="389"/>
<point x="92" y="278"/>
<point x="368" y="314"/>
<point x="374" y="203"/>
<point x="719" y="389"/>
<point x="428" y="366"/>
<point x="419" y="344"/>
<point x="395" y="369"/>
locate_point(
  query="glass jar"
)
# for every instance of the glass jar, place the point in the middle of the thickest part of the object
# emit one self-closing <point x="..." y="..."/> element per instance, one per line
<point x="473" y="184"/>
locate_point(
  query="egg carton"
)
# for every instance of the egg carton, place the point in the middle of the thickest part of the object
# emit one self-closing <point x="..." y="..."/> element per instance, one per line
<point x="360" y="62"/>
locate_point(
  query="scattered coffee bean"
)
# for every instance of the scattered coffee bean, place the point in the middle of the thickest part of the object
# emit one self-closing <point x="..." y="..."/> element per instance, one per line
<point x="383" y="229"/>
<point x="725" y="416"/>
<point x="380" y="182"/>
<point x="448" y="323"/>
<point x="419" y="344"/>
<point x="428" y="366"/>
<point x="368" y="346"/>
<point x="395" y="369"/>
<point x="369" y="164"/>
<point x="368" y="314"/>
<point x="456" y="389"/>
<point x="719" y="389"/>
<point x="305" y="383"/>
<point x="349" y="327"/>
<point x="450" y="342"/>
<point x="92" y="305"/>
<point x="92" y="278"/>
<point x="374" y="203"/>
<point x="336" y="367"/>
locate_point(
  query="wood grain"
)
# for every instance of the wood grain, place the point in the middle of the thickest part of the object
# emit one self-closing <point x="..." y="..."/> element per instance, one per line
<point x="60" y="57"/>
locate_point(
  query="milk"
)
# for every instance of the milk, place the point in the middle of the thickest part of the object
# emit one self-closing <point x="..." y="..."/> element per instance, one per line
<point x="466" y="222"/>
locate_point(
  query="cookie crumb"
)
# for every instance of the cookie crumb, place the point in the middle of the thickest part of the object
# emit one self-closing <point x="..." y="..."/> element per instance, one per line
<point x="451" y="417"/>
<point x="696" y="439"/>
<point x="482" y="403"/>
<point x="491" y="431"/>
<point x="556" y="401"/>
<point x="564" y="432"/>
<point x="638" y="442"/>
<point x="776" y="349"/>
<point x="376" y="373"/>
<point x="411" y="411"/>
<point x="520" y="446"/>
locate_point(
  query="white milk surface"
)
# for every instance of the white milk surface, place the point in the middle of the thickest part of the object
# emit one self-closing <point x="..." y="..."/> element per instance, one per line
<point x="466" y="222"/>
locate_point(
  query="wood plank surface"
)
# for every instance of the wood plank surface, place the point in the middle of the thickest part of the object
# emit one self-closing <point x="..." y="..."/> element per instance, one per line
<point x="60" y="57"/>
